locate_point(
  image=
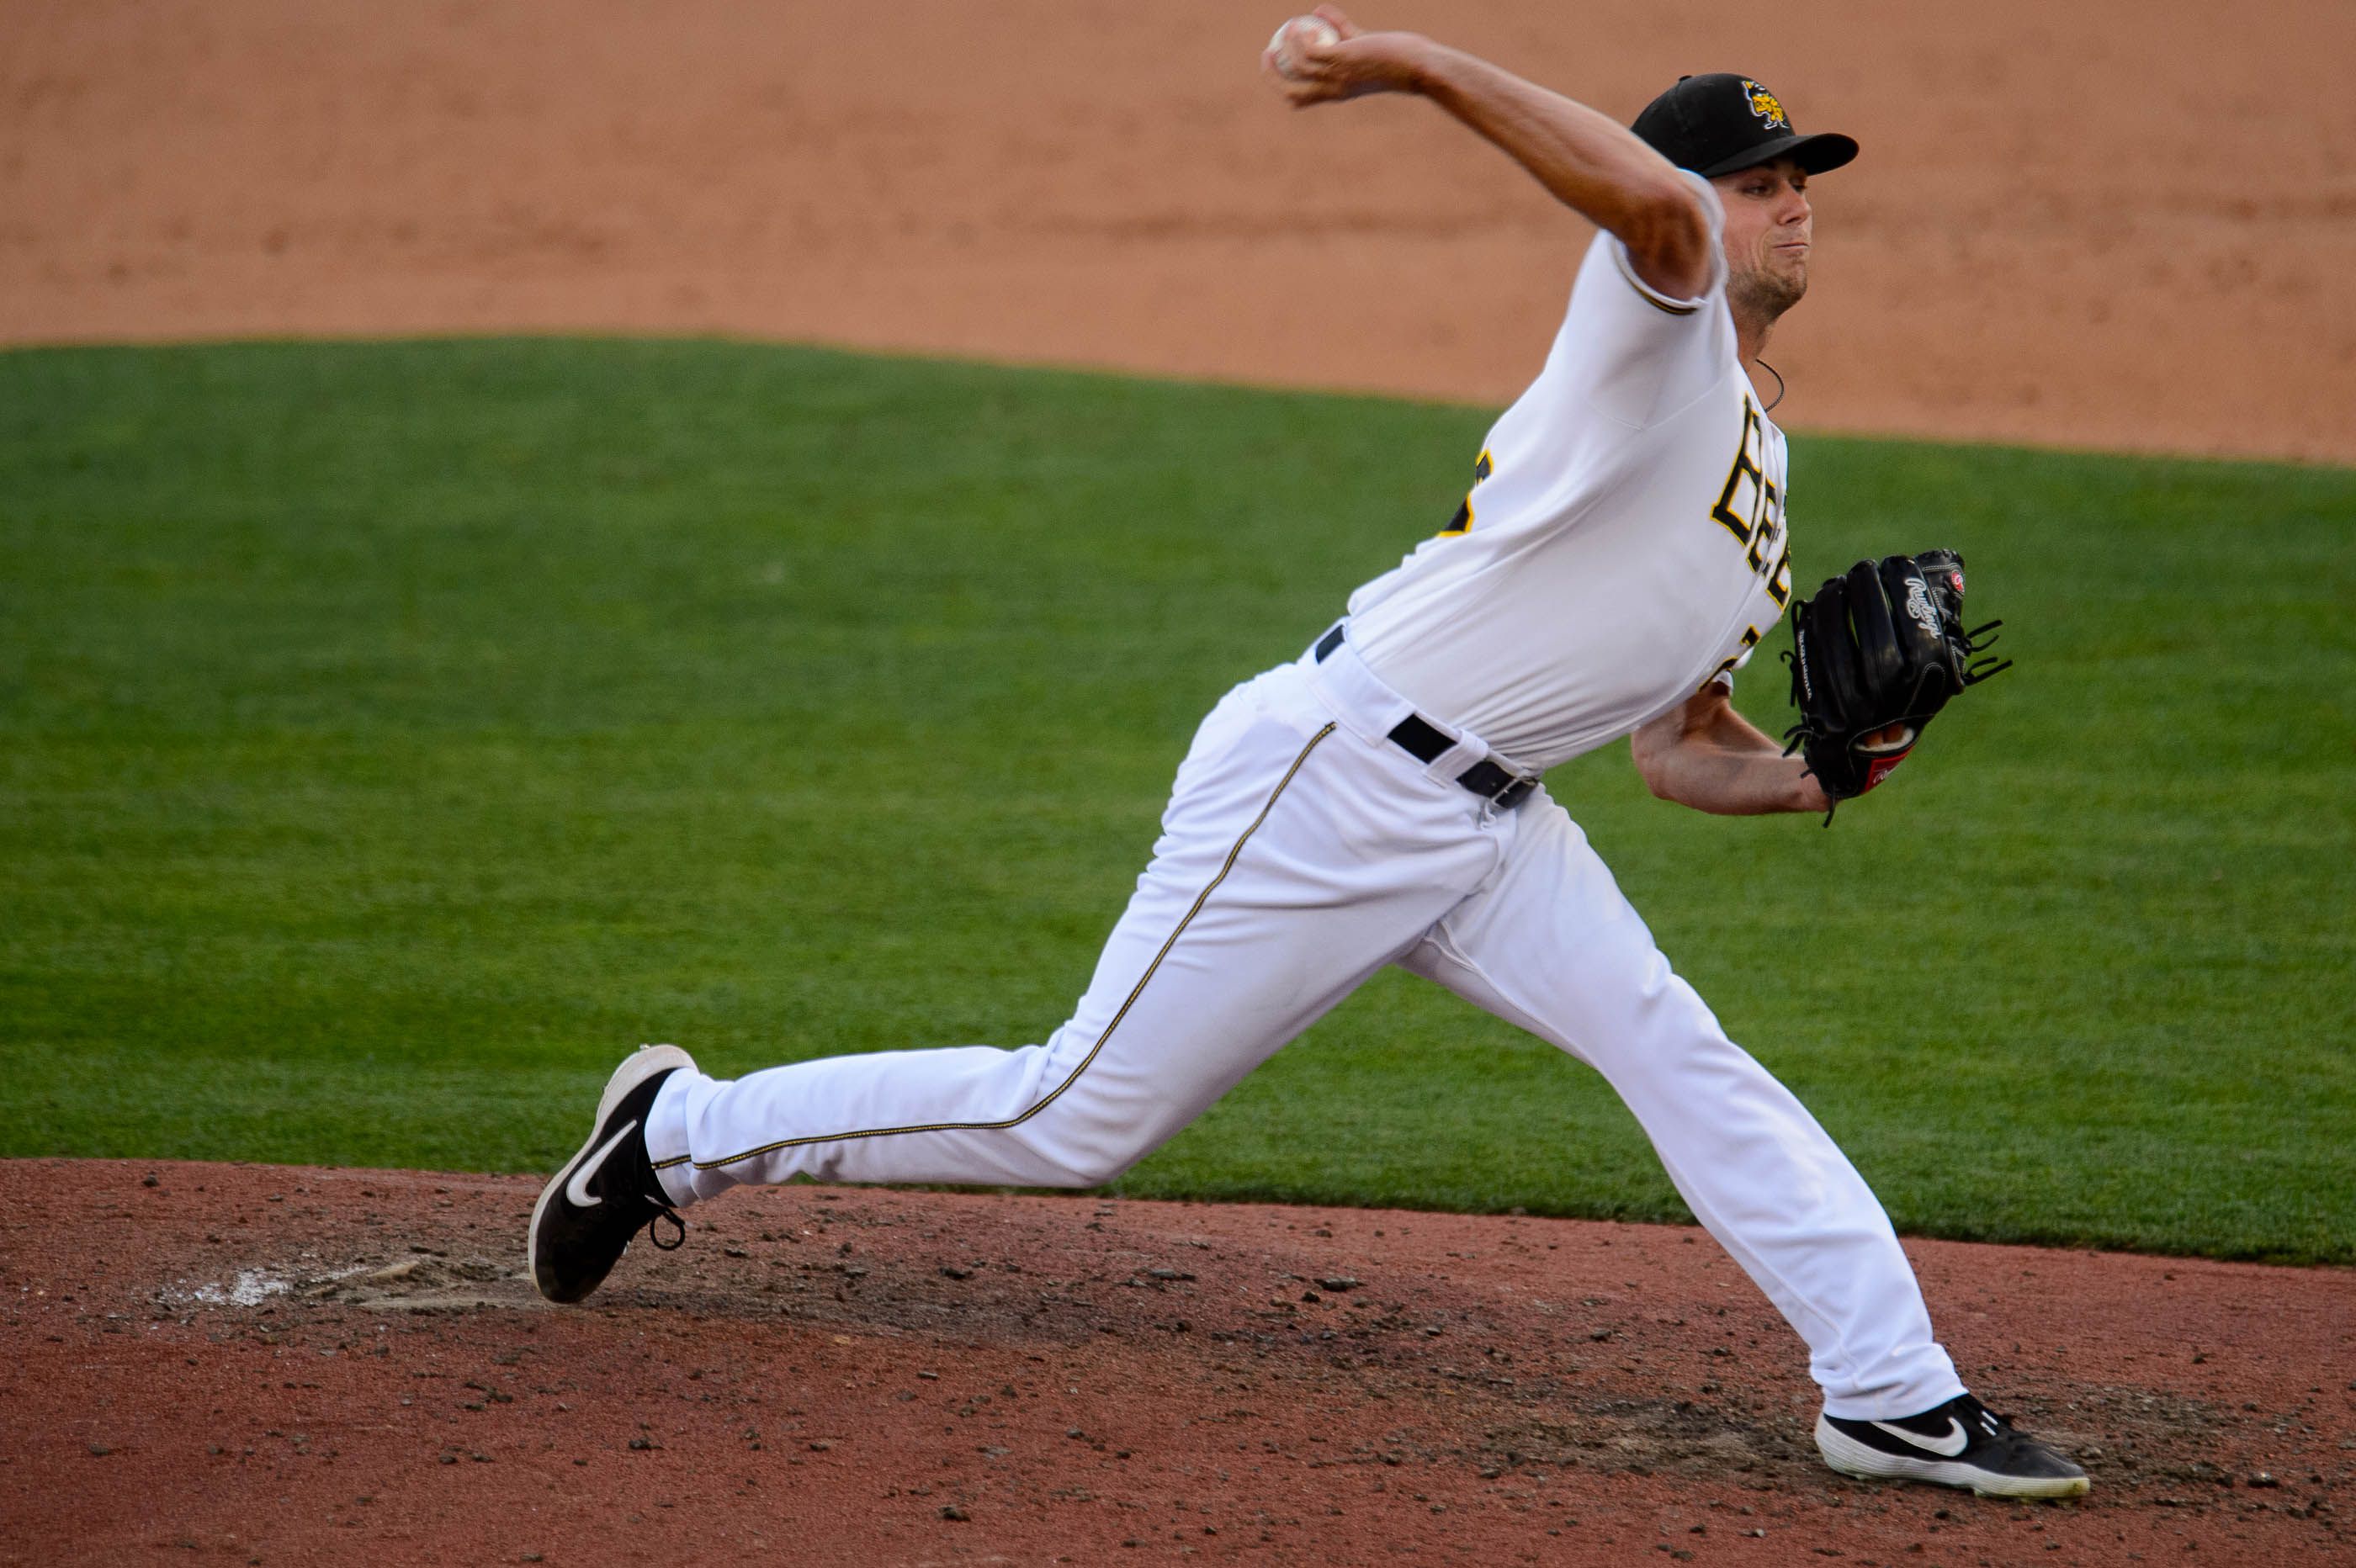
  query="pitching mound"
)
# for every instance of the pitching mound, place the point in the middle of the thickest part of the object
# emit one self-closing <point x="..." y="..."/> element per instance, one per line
<point x="274" y="1365"/>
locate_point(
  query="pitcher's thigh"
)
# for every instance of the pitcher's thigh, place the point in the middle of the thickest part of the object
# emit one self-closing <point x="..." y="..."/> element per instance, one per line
<point x="1553" y="945"/>
<point x="1261" y="909"/>
<point x="1263" y="906"/>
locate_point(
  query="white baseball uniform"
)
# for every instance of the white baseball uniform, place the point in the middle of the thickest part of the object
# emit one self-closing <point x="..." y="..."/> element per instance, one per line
<point x="1622" y="546"/>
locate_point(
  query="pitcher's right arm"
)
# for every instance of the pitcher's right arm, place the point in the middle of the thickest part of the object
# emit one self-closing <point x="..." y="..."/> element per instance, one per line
<point x="1592" y="164"/>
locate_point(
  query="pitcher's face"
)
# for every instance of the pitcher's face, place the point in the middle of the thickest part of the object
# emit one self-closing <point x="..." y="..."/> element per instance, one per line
<point x="1769" y="231"/>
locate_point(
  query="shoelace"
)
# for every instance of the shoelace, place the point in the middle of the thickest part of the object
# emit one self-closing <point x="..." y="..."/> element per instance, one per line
<point x="1995" y="1425"/>
<point x="671" y="1214"/>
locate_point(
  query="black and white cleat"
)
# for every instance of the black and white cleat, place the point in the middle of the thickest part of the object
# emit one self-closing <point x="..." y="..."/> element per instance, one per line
<point x="590" y="1211"/>
<point x="1959" y="1444"/>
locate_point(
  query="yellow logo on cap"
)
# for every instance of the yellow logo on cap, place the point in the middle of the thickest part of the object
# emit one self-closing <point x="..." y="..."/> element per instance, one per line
<point x="1765" y="105"/>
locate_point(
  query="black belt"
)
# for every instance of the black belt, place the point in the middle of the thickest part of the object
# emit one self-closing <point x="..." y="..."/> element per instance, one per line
<point x="1425" y="742"/>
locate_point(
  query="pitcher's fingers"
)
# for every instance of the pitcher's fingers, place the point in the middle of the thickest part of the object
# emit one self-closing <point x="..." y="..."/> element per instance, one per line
<point x="1342" y="24"/>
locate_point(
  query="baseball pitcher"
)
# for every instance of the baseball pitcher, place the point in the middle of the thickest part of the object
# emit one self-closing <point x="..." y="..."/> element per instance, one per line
<point x="1623" y="549"/>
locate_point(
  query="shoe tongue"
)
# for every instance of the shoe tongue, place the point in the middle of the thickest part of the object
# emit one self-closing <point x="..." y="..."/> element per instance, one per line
<point x="1976" y="1416"/>
<point x="1936" y="1421"/>
<point x="639" y="1172"/>
<point x="641" y="1168"/>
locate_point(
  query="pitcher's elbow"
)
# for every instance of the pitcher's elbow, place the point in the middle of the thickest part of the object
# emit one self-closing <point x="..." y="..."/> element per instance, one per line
<point x="1651" y="755"/>
<point x="1668" y="241"/>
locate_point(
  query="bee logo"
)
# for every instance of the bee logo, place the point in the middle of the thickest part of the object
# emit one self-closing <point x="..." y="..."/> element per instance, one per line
<point x="1765" y="105"/>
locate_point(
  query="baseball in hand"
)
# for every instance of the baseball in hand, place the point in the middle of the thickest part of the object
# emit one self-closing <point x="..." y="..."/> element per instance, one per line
<point x="1301" y="30"/>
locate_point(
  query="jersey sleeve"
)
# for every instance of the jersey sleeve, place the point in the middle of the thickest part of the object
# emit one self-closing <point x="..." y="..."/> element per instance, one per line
<point x="1723" y="676"/>
<point x="1638" y="354"/>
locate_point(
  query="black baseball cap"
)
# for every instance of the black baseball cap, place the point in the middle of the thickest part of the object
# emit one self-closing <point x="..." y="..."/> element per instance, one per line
<point x="1718" y="123"/>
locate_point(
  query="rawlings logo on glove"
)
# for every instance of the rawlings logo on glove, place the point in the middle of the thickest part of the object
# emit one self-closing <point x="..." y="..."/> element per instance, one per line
<point x="1875" y="655"/>
<point x="1917" y="604"/>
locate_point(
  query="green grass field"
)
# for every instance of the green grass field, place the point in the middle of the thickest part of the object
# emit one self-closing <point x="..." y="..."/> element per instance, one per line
<point x="394" y="734"/>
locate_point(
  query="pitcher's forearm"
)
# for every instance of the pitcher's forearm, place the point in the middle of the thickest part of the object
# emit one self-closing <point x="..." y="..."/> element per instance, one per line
<point x="1590" y="163"/>
<point x="1708" y="756"/>
<point x="1737" y="784"/>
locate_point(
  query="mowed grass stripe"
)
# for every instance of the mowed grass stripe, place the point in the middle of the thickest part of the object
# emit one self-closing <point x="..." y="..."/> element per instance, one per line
<point x="392" y="734"/>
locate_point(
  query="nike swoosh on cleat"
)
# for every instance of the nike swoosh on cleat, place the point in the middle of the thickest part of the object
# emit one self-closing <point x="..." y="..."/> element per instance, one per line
<point x="577" y="1191"/>
<point x="1946" y="1446"/>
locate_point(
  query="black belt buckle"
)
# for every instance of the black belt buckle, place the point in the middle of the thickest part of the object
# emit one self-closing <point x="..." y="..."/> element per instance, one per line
<point x="1424" y="741"/>
<point x="1504" y="789"/>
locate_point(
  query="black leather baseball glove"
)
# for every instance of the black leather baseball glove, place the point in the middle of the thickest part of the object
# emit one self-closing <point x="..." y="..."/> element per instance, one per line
<point x="1875" y="655"/>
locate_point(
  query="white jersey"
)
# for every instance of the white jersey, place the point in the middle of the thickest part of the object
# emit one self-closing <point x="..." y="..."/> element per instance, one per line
<point x="1623" y="544"/>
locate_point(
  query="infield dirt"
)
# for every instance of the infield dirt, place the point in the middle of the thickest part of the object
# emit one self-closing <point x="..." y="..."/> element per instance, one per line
<point x="269" y="1364"/>
<point x="2099" y="225"/>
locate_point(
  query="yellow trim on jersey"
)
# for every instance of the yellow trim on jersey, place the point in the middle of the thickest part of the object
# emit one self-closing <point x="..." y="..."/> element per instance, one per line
<point x="1462" y="523"/>
<point x="1652" y="297"/>
<point x="1074" y="1077"/>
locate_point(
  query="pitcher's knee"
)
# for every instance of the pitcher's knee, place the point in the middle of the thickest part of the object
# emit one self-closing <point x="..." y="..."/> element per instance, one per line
<point x="1086" y="1138"/>
<point x="1094" y="1167"/>
<point x="1078" y="1149"/>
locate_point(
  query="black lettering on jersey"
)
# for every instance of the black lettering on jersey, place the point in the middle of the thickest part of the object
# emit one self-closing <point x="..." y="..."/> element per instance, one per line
<point x="1762" y="524"/>
<point x="1462" y="522"/>
<point x="1744" y="463"/>
<point x="1726" y="665"/>
<point x="1779" y="581"/>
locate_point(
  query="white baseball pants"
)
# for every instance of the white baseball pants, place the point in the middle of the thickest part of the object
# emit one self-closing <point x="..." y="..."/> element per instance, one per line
<point x="1301" y="851"/>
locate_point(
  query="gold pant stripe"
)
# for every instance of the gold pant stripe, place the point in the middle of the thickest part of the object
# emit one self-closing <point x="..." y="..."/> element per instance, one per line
<point x="1074" y="1077"/>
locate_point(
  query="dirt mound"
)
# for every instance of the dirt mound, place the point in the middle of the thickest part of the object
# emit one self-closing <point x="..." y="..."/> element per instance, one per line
<point x="2063" y="229"/>
<point x="295" y="1365"/>
<point x="423" y="1283"/>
